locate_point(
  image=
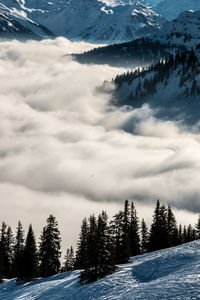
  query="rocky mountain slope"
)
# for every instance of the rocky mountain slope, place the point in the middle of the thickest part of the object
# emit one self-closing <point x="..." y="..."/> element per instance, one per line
<point x="170" y="274"/>
<point x="170" y="9"/>
<point x="10" y="28"/>
<point x="93" y="20"/>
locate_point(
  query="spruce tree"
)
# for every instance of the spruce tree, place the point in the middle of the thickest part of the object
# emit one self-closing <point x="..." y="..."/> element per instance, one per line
<point x="81" y="253"/>
<point x="159" y="229"/>
<point x="126" y="247"/>
<point x="19" y="251"/>
<point x="50" y="248"/>
<point x="105" y="258"/>
<point x="100" y="259"/>
<point x="197" y="226"/>
<point x="134" y="232"/>
<point x="69" y="260"/>
<point x="9" y="247"/>
<point x="1" y="263"/>
<point x="116" y="229"/>
<point x="144" y="237"/>
<point x="30" y="269"/>
<point x="3" y="248"/>
<point x="172" y="228"/>
<point x="180" y="234"/>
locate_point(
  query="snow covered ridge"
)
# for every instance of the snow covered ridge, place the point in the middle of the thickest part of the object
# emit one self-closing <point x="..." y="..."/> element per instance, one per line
<point x="182" y="31"/>
<point x="172" y="273"/>
<point x="170" y="84"/>
<point x="170" y="9"/>
<point x="93" y="21"/>
<point x="10" y="28"/>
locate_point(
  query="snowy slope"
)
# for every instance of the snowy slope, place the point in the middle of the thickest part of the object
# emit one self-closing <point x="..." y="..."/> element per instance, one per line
<point x="10" y="28"/>
<point x="170" y="9"/>
<point x="90" y="20"/>
<point x="168" y="274"/>
<point x="171" y="87"/>
<point x="15" y="13"/>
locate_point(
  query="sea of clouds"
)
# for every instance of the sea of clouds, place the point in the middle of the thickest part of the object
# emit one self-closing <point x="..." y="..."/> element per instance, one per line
<point x="64" y="149"/>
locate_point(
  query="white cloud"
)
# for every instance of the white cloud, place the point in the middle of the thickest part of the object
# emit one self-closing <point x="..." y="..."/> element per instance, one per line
<point x="64" y="149"/>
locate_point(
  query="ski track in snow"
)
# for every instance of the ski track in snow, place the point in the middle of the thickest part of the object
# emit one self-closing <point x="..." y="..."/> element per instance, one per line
<point x="167" y="274"/>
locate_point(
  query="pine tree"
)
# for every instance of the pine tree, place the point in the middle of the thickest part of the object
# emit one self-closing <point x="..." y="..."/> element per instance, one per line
<point x="30" y="257"/>
<point x="125" y="247"/>
<point x="9" y="247"/>
<point x="180" y="234"/>
<point x="185" y="234"/>
<point x="105" y="258"/>
<point x="50" y="248"/>
<point x="1" y="263"/>
<point x="69" y="260"/>
<point x="100" y="260"/>
<point x="172" y="228"/>
<point x="116" y="229"/>
<point x="19" y="251"/>
<point x="197" y="226"/>
<point x="134" y="232"/>
<point x="3" y="248"/>
<point x="81" y="253"/>
<point x="144" y="237"/>
<point x="189" y="237"/>
<point x="159" y="230"/>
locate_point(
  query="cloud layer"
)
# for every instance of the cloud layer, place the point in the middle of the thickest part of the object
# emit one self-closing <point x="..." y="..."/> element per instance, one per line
<point x="63" y="146"/>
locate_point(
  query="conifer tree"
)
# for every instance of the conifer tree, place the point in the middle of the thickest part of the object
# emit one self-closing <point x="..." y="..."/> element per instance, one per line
<point x="9" y="247"/>
<point x="81" y="253"/>
<point x="100" y="260"/>
<point x="1" y="263"/>
<point x="30" y="257"/>
<point x="50" y="248"/>
<point x="134" y="232"/>
<point x="144" y="237"/>
<point x="189" y="237"/>
<point x="105" y="258"/>
<point x="197" y="226"/>
<point x="159" y="232"/>
<point x="180" y="234"/>
<point x="185" y="234"/>
<point x="172" y="228"/>
<point x="3" y="248"/>
<point x="116" y="230"/>
<point x="125" y="247"/>
<point x="19" y="251"/>
<point x="69" y="260"/>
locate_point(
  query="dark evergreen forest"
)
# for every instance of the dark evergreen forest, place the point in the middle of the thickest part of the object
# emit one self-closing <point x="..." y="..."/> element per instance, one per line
<point x="103" y="244"/>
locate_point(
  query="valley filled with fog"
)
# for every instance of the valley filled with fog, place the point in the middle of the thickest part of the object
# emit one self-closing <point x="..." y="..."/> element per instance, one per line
<point x="66" y="150"/>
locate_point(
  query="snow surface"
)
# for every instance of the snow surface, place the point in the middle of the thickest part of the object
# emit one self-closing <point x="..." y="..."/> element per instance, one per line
<point x="167" y="274"/>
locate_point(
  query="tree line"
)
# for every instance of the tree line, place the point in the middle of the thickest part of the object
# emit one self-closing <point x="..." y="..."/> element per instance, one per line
<point x="185" y="65"/>
<point x="102" y="244"/>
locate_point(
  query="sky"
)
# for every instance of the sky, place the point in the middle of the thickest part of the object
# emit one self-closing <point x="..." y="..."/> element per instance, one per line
<point x="65" y="150"/>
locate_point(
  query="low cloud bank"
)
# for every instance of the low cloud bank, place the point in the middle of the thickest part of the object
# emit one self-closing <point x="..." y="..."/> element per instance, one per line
<point x="61" y="139"/>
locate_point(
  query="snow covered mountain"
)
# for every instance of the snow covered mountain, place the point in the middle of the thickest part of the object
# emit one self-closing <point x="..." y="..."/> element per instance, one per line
<point x="182" y="31"/>
<point x="170" y="9"/>
<point x="170" y="274"/>
<point x="89" y="20"/>
<point x="10" y="28"/>
<point x="16" y="14"/>
<point x="179" y="35"/>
